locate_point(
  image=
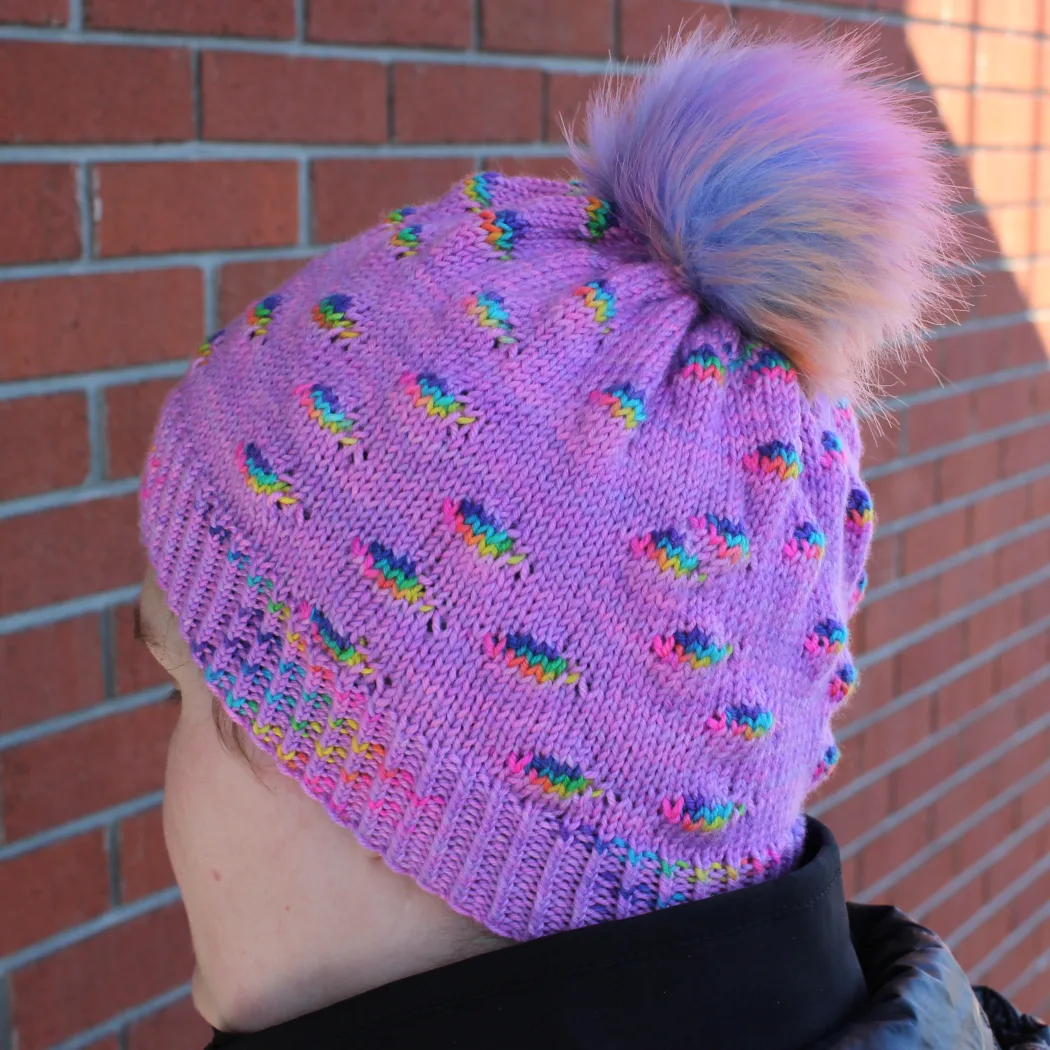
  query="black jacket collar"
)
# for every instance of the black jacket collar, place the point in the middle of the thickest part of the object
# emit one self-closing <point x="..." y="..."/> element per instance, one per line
<point x="771" y="966"/>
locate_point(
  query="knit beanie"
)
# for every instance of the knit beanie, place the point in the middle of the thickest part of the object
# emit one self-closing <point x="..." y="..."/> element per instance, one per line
<point x="523" y="530"/>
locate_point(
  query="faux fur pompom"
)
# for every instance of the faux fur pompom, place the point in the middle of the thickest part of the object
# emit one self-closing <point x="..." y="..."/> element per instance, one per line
<point x="792" y="190"/>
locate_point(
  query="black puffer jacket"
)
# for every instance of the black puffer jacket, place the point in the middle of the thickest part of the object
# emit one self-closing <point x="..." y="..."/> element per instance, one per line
<point x="787" y="965"/>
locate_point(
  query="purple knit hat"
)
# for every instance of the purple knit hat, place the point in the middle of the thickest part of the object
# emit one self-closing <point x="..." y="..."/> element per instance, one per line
<point x="513" y="530"/>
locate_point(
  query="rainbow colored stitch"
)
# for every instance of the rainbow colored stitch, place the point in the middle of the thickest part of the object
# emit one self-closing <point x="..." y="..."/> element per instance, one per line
<point x="624" y="403"/>
<point x="530" y="658"/>
<point x="695" y="814"/>
<point x="833" y="451"/>
<point x="322" y="406"/>
<point x="859" y="511"/>
<point x="481" y="530"/>
<point x="551" y="776"/>
<point x="843" y="413"/>
<point x="694" y="647"/>
<point x="829" y="636"/>
<point x="843" y="683"/>
<point x="827" y="763"/>
<point x="478" y="188"/>
<point x="339" y="647"/>
<point x="261" y="478"/>
<point x="488" y="310"/>
<point x="391" y="572"/>
<point x="502" y="229"/>
<point x="778" y="457"/>
<point x="406" y="234"/>
<point x="807" y="542"/>
<point x="600" y="300"/>
<point x="204" y="351"/>
<point x="332" y="314"/>
<point x="261" y="315"/>
<point x="861" y="587"/>
<point x="765" y="361"/>
<point x="704" y="363"/>
<point x="432" y="394"/>
<point x="667" y="550"/>
<point x="600" y="216"/>
<point x="752" y="723"/>
<point x="726" y="537"/>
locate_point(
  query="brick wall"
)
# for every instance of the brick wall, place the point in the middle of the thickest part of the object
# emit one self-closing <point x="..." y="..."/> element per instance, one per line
<point x="164" y="162"/>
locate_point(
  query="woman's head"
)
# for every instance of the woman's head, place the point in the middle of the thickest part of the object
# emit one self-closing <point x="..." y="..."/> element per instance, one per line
<point x="287" y="911"/>
<point x="528" y="566"/>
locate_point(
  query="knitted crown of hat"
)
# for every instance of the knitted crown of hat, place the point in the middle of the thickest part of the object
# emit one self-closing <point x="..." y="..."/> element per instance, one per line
<point x="522" y="529"/>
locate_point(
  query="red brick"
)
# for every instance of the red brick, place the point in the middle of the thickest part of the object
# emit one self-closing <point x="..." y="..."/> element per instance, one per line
<point x="903" y="492"/>
<point x="1011" y="227"/>
<point x="924" y="772"/>
<point x="931" y="657"/>
<point x="1004" y="118"/>
<point x="93" y="93"/>
<point x="58" y="668"/>
<point x="1007" y="60"/>
<point x="135" y="667"/>
<point x="68" y="552"/>
<point x="172" y="207"/>
<point x="890" y="851"/>
<point x="967" y="471"/>
<point x="144" y="864"/>
<point x="933" y="541"/>
<point x="505" y="104"/>
<point x="91" y="981"/>
<point x="131" y="415"/>
<point x="974" y="354"/>
<point x="935" y="10"/>
<point x="859" y="812"/>
<point x="34" y="12"/>
<point x="173" y="1028"/>
<point x="646" y="24"/>
<point x="1022" y="15"/>
<point x="774" y="23"/>
<point x="974" y="844"/>
<point x="952" y="913"/>
<point x="1025" y="451"/>
<point x="51" y="888"/>
<point x="899" y="614"/>
<point x="881" y="436"/>
<point x="78" y="324"/>
<point x="117" y="758"/>
<point x="920" y="884"/>
<point x="1016" y="962"/>
<point x="1022" y="557"/>
<point x="412" y="23"/>
<point x="1004" y="292"/>
<point x="943" y="53"/>
<point x="1039" y="497"/>
<point x="45" y="443"/>
<point x="1001" y="403"/>
<point x="38" y="213"/>
<point x="278" y="98"/>
<point x="584" y="27"/>
<point x="885" y="739"/>
<point x="265" y="18"/>
<point x="977" y="945"/>
<point x="882" y="561"/>
<point x="1037" y="602"/>
<point x="559" y="168"/>
<point x="934" y="423"/>
<point x="1023" y="659"/>
<point x="352" y="195"/>
<point x="247" y="282"/>
<point x="566" y="95"/>
<point x="998" y="514"/>
<point x="1002" y="176"/>
<point x="965" y="694"/>
<point x="966" y="583"/>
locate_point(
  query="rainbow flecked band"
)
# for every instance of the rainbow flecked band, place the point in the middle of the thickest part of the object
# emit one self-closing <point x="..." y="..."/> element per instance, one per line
<point x="693" y="647"/>
<point x="551" y="776"/>
<point x="776" y="457"/>
<point x="532" y="659"/>
<point x="693" y="814"/>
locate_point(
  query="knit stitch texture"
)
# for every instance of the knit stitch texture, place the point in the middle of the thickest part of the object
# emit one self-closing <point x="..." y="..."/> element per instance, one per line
<point x="528" y="568"/>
